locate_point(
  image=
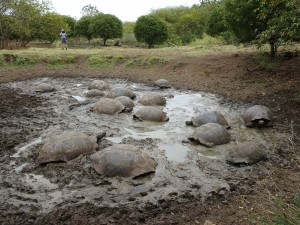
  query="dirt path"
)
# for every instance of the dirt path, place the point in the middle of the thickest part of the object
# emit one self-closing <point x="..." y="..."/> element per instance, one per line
<point x="237" y="77"/>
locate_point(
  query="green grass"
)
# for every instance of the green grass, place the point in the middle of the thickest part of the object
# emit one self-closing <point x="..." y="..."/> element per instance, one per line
<point x="265" y="62"/>
<point x="146" y="62"/>
<point x="105" y="61"/>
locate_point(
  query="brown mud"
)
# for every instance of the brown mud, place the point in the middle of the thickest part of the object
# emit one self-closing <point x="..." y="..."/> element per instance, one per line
<point x="203" y="188"/>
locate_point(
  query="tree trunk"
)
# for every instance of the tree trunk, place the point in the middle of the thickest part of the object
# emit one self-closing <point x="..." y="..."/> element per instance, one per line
<point x="273" y="49"/>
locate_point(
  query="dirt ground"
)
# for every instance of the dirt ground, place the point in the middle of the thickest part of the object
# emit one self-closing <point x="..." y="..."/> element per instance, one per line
<point x="237" y="77"/>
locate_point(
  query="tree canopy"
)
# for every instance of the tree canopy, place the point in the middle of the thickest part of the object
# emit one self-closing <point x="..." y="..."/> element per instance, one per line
<point x="106" y="26"/>
<point x="151" y="30"/>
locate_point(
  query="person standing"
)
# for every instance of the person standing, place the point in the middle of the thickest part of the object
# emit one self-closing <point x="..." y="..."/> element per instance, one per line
<point x="63" y="37"/>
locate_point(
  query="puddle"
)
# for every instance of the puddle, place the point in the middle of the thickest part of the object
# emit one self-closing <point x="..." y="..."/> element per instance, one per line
<point x="79" y="98"/>
<point x="25" y="147"/>
<point x="180" y="164"/>
<point x="175" y="152"/>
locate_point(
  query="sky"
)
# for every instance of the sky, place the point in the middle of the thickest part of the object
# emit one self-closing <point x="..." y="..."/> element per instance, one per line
<point x="125" y="10"/>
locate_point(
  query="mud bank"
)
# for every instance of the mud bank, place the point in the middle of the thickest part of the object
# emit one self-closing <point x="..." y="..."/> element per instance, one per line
<point x="184" y="169"/>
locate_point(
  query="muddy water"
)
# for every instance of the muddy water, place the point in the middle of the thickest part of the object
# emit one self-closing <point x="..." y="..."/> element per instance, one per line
<point x="183" y="167"/>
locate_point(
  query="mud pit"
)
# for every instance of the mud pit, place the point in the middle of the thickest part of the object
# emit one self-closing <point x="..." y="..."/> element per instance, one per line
<point x="184" y="169"/>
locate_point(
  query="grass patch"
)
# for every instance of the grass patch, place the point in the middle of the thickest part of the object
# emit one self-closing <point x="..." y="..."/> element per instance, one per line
<point x="146" y="62"/>
<point x="59" y="60"/>
<point x="265" y="62"/>
<point x="105" y="61"/>
<point x="13" y="60"/>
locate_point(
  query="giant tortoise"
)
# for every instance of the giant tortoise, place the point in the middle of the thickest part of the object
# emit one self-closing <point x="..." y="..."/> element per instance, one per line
<point x="126" y="101"/>
<point x="66" y="146"/>
<point x="108" y="106"/>
<point x="99" y="84"/>
<point x="246" y="153"/>
<point x="120" y="91"/>
<point x="208" y="117"/>
<point x="153" y="99"/>
<point x="162" y="83"/>
<point x="122" y="160"/>
<point x="150" y="114"/>
<point x="211" y="134"/>
<point x="44" y="87"/>
<point x="258" y="116"/>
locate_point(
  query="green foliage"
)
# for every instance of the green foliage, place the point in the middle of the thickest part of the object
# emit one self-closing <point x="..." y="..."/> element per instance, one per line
<point x="50" y="26"/>
<point x="82" y="27"/>
<point x="106" y="26"/>
<point x="151" y="30"/>
<point x="144" y="62"/>
<point x="265" y="63"/>
<point x="184" y="24"/>
<point x="23" y="21"/>
<point x="228" y="38"/>
<point x="189" y="28"/>
<point x="70" y="22"/>
<point x="89" y="10"/>
<point x="105" y="61"/>
<point x="283" y="22"/>
<point x="128" y="35"/>
<point x="241" y="18"/>
<point x="216" y="24"/>
<point x="59" y="60"/>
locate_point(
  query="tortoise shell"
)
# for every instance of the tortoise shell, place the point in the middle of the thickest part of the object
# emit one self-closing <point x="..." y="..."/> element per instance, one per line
<point x="99" y="84"/>
<point x="211" y="134"/>
<point x="94" y="93"/>
<point x="258" y="116"/>
<point x="153" y="99"/>
<point x="208" y="117"/>
<point x="162" y="83"/>
<point x="44" y="87"/>
<point x="66" y="146"/>
<point x="126" y="101"/>
<point x="116" y="92"/>
<point x="151" y="114"/>
<point x="108" y="106"/>
<point x="122" y="160"/>
<point x="245" y="153"/>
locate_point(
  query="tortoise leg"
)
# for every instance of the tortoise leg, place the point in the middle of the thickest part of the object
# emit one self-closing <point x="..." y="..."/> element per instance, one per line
<point x="249" y="124"/>
<point x="189" y="123"/>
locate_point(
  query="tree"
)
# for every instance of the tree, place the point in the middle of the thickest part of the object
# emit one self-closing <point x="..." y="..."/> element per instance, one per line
<point x="151" y="30"/>
<point x="106" y="26"/>
<point x="89" y="10"/>
<point x="242" y="19"/>
<point x="215" y="24"/>
<point x="190" y="26"/>
<point x="27" y="16"/>
<point x="70" y="22"/>
<point x="283" y="22"/>
<point x="50" y="26"/>
<point x="82" y="27"/>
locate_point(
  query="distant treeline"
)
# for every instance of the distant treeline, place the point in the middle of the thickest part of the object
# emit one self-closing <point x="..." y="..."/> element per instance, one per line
<point x="272" y="22"/>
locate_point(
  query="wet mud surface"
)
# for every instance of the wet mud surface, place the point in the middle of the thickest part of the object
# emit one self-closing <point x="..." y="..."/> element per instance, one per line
<point x="185" y="170"/>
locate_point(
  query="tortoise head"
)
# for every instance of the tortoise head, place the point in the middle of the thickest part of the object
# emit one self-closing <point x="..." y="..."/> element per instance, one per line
<point x="261" y="123"/>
